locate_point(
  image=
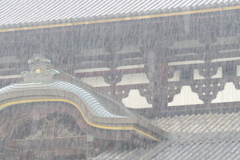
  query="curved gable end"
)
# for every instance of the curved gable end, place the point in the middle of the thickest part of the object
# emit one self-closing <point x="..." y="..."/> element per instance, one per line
<point x="95" y="114"/>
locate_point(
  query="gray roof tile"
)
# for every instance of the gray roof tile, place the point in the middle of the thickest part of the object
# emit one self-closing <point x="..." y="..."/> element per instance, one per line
<point x="28" y="12"/>
<point x="207" y="136"/>
<point x="206" y="123"/>
<point x="87" y="97"/>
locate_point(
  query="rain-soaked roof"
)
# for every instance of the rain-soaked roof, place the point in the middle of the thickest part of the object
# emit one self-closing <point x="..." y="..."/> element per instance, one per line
<point x="27" y="13"/>
<point x="96" y="107"/>
<point x="201" y="136"/>
<point x="97" y="110"/>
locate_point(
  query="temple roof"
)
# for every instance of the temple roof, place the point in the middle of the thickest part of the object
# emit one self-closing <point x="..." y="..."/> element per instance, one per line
<point x="201" y="136"/>
<point x="97" y="108"/>
<point x="27" y="13"/>
<point x="98" y="111"/>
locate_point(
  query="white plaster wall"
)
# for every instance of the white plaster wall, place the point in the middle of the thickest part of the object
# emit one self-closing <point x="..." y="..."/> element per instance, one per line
<point x="186" y="96"/>
<point x="229" y="94"/>
<point x="135" y="100"/>
<point x="95" y="81"/>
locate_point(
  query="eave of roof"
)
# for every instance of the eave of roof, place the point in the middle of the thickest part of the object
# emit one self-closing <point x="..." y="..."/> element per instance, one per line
<point x="27" y="19"/>
<point x="96" y="108"/>
<point x="96" y="115"/>
<point x="201" y="136"/>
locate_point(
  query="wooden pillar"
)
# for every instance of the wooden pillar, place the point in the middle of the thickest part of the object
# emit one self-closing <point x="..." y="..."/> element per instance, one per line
<point x="113" y="44"/>
<point x="155" y="49"/>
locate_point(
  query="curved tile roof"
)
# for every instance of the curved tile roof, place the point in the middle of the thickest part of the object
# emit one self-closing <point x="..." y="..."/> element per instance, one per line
<point x="96" y="107"/>
<point x="30" y="13"/>
<point x="101" y="115"/>
<point x="206" y="123"/>
<point x="201" y="136"/>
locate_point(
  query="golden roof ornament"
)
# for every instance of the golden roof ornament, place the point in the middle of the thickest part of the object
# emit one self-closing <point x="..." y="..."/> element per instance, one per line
<point x="40" y="70"/>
